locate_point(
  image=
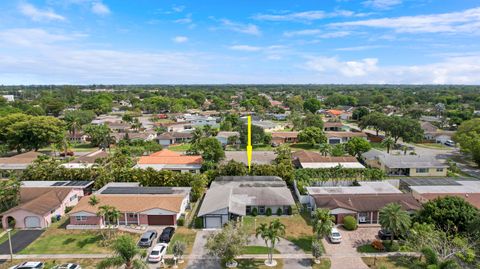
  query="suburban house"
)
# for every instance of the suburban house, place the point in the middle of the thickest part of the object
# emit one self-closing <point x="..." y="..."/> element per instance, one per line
<point x="144" y="136"/>
<point x="232" y="197"/>
<point x="284" y="137"/>
<point x="335" y="126"/>
<point x="267" y="126"/>
<point x="17" y="163"/>
<point x="9" y="97"/>
<point x="258" y="157"/>
<point x="223" y="136"/>
<point x="433" y="134"/>
<point x="78" y="137"/>
<point x="405" y="165"/>
<point x="199" y="120"/>
<point x="42" y="202"/>
<point x="170" y="138"/>
<point x="137" y="206"/>
<point x="170" y="160"/>
<point x="310" y="159"/>
<point x="343" y="137"/>
<point x="86" y="161"/>
<point x="428" y="189"/>
<point x="364" y="207"/>
<point x="118" y="127"/>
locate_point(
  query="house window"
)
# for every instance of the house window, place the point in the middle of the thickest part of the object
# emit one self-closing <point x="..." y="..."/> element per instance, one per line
<point x="80" y="218"/>
<point x="131" y="215"/>
<point x="363" y="217"/>
<point x="248" y="209"/>
<point x="74" y="197"/>
<point x="422" y="170"/>
<point x="439" y="169"/>
<point x="193" y="171"/>
<point x="261" y="210"/>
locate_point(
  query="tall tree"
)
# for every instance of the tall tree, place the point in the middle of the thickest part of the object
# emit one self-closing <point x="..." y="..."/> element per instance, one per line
<point x="125" y="253"/>
<point x="312" y="136"/>
<point x="468" y="137"/>
<point x="271" y="233"/>
<point x="357" y="145"/>
<point x="394" y="219"/>
<point x="388" y="142"/>
<point x="228" y="243"/>
<point x="322" y="222"/>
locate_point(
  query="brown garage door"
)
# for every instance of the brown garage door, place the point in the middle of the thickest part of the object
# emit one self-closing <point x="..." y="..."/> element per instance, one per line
<point x="161" y="219"/>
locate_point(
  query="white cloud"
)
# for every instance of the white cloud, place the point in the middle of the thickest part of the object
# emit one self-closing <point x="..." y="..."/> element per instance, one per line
<point x="250" y="29"/>
<point x="32" y="37"/>
<point x="180" y="39"/>
<point x="36" y="14"/>
<point x="317" y="33"/>
<point x="307" y="16"/>
<point x="178" y="8"/>
<point x="382" y="4"/>
<point x="100" y="8"/>
<point x="245" y="48"/>
<point x="359" y="48"/>
<point x="450" y="70"/>
<point x="467" y="21"/>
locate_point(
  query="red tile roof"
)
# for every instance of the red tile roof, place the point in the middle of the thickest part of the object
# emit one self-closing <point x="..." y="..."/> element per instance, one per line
<point x="166" y="156"/>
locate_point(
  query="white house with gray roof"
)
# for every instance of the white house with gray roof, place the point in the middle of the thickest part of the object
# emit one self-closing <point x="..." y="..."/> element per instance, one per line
<point x="405" y="165"/>
<point x="232" y="197"/>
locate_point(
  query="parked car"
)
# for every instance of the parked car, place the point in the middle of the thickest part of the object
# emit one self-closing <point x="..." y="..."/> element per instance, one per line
<point x="147" y="238"/>
<point x="387" y="235"/>
<point x="68" y="266"/>
<point x="335" y="236"/>
<point x="28" y="265"/>
<point x="166" y="235"/>
<point x="158" y="252"/>
<point x="450" y="143"/>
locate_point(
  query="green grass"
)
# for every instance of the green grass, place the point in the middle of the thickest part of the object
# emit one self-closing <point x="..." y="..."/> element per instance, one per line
<point x="297" y="228"/>
<point x="180" y="147"/>
<point x="4" y="237"/>
<point x="184" y="235"/>
<point x="377" y="145"/>
<point x="325" y="263"/>
<point x="257" y="264"/>
<point x="258" y="250"/>
<point x="262" y="147"/>
<point x="396" y="262"/>
<point x="433" y="146"/>
<point x="367" y="248"/>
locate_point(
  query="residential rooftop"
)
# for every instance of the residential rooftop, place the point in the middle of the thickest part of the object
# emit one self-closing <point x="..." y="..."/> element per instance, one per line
<point x="366" y="187"/>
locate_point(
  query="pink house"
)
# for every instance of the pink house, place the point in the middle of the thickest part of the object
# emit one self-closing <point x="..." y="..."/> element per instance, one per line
<point x="40" y="201"/>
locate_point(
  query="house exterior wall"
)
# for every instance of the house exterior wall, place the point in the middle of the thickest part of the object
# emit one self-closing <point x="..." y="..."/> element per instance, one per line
<point x="90" y="220"/>
<point x="432" y="172"/>
<point x="20" y="215"/>
<point x="165" y="142"/>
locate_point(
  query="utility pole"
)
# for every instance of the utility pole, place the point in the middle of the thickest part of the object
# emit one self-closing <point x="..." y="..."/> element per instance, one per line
<point x="10" y="244"/>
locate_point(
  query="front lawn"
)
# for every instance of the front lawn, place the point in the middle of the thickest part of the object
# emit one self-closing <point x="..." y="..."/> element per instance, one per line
<point x="325" y="263"/>
<point x="180" y="147"/>
<point x="57" y="240"/>
<point x="256" y="264"/>
<point x="184" y="235"/>
<point x="297" y="228"/>
<point x="433" y="146"/>
<point x="397" y="262"/>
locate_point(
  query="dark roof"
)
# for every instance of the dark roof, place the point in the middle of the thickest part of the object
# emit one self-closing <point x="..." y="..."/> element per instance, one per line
<point x="138" y="190"/>
<point x="248" y="178"/>
<point x="172" y="135"/>
<point x="365" y="202"/>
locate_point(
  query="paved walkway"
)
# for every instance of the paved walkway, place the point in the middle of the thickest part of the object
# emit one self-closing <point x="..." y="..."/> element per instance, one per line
<point x="345" y="255"/>
<point x="297" y="258"/>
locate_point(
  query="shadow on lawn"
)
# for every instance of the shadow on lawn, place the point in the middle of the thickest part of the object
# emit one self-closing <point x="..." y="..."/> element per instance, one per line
<point x="89" y="240"/>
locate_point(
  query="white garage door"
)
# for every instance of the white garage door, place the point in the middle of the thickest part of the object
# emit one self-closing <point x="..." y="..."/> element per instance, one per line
<point x="32" y="222"/>
<point x="213" y="222"/>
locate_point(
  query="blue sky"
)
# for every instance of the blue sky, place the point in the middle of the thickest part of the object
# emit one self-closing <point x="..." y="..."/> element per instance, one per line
<point x="188" y="42"/>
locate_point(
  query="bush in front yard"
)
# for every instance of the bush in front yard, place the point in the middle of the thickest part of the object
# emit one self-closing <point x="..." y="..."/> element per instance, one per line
<point x="350" y="223"/>
<point x="181" y="222"/>
<point x="268" y="212"/>
<point x="254" y="211"/>
<point x="198" y="223"/>
<point x="279" y="211"/>
<point x="391" y="247"/>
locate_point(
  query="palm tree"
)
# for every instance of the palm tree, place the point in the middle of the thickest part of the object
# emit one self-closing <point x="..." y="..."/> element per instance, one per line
<point x="271" y="233"/>
<point x="207" y="130"/>
<point x="388" y="142"/>
<point x="125" y="253"/>
<point x="93" y="201"/>
<point x="325" y="149"/>
<point x="197" y="135"/>
<point x="110" y="215"/>
<point x="322" y="222"/>
<point x="394" y="219"/>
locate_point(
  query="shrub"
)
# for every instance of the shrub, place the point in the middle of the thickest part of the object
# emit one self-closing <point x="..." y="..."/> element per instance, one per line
<point x="350" y="223"/>
<point x="392" y="247"/>
<point x="68" y="209"/>
<point x="378" y="245"/>
<point x="198" y="223"/>
<point x="289" y="211"/>
<point x="317" y="249"/>
<point x="254" y="211"/>
<point x="430" y="256"/>
<point x="181" y="221"/>
<point x="268" y="212"/>
<point x="279" y="211"/>
<point x="53" y="219"/>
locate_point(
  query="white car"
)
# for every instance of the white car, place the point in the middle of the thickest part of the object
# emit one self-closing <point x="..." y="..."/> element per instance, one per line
<point x="157" y="253"/>
<point x="335" y="236"/>
<point x="28" y="265"/>
<point x="450" y="143"/>
<point x="68" y="266"/>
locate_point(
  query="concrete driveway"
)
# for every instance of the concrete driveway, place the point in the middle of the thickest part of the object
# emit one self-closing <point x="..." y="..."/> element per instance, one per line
<point x="20" y="240"/>
<point x="199" y="251"/>
<point x="345" y="255"/>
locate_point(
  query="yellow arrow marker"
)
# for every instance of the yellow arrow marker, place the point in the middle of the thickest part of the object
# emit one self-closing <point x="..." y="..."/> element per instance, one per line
<point x="249" y="143"/>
